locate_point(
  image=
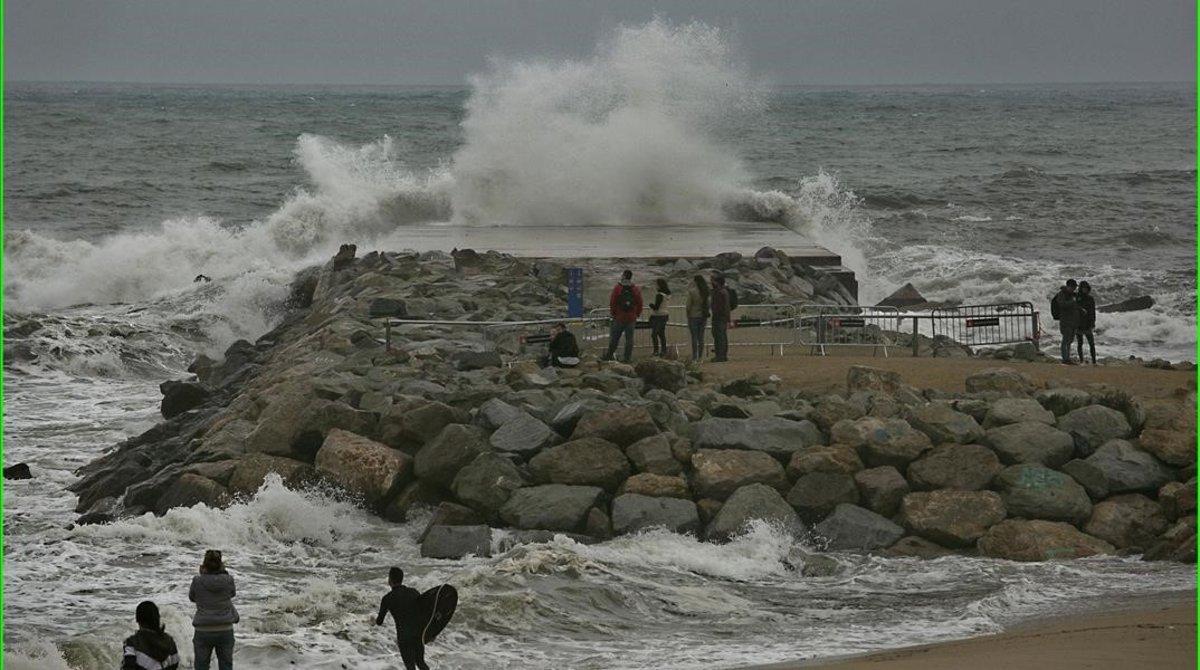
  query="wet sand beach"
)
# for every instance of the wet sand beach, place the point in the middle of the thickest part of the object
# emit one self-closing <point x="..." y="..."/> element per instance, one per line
<point x="1158" y="633"/>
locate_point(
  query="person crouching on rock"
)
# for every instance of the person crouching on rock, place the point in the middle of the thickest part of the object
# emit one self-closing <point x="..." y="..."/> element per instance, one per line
<point x="213" y="591"/>
<point x="401" y="602"/>
<point x="150" y="648"/>
<point x="624" y="306"/>
<point x="563" y="350"/>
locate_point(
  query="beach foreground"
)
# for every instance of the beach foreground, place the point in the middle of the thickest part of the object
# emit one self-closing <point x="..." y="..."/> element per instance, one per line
<point x="1160" y="635"/>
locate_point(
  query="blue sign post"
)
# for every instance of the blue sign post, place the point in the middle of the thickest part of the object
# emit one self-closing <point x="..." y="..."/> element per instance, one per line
<point x="574" y="292"/>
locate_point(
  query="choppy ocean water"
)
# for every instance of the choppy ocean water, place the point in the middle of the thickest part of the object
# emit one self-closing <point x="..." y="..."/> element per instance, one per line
<point x="118" y="195"/>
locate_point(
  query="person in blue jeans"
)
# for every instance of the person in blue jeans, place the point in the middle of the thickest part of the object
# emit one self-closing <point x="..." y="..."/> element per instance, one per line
<point x="213" y="591"/>
<point x="697" y="315"/>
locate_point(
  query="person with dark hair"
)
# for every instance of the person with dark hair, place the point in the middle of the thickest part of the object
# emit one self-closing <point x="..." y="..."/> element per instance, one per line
<point x="624" y="306"/>
<point x="1065" y="310"/>
<point x="213" y="591"/>
<point x="150" y="648"/>
<point x="563" y="349"/>
<point x="659" y="316"/>
<point x="697" y="314"/>
<point x="401" y="603"/>
<point x="720" y="319"/>
<point x="1087" y="320"/>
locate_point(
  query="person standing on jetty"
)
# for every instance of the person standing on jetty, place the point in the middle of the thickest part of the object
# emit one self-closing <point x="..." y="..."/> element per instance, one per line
<point x="659" y="317"/>
<point x="213" y="591"/>
<point x="401" y="603"/>
<point x="1065" y="309"/>
<point x="150" y="648"/>
<point x="625" y="306"/>
<point x="697" y="314"/>
<point x="720" y="319"/>
<point x="1087" y="320"/>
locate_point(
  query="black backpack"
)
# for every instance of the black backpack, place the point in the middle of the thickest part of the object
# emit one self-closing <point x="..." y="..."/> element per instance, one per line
<point x="1054" y="308"/>
<point x="626" y="301"/>
<point x="733" y="302"/>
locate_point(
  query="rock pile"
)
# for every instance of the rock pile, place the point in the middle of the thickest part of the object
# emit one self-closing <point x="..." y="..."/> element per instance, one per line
<point x="1002" y="469"/>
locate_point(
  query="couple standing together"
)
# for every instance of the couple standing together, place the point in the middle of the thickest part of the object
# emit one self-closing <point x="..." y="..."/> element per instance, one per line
<point x="625" y="306"/>
<point x="1075" y="310"/>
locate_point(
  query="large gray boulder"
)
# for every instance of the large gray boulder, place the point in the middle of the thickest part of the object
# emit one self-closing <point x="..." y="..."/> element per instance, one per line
<point x="968" y="467"/>
<point x="851" y="527"/>
<point x="1091" y="478"/>
<point x="568" y="416"/>
<point x="833" y="408"/>
<point x="1129" y="469"/>
<point x="864" y="378"/>
<point x="617" y="424"/>
<point x="632" y="512"/>
<point x="1016" y="410"/>
<point x="882" y="441"/>
<point x="1178" y="499"/>
<point x="495" y="413"/>
<point x="720" y="472"/>
<point x="443" y="456"/>
<point x="295" y="424"/>
<point x="837" y="458"/>
<point x="1034" y="492"/>
<point x="410" y="424"/>
<point x="191" y="489"/>
<point x="816" y="494"/>
<point x="658" y="486"/>
<point x="457" y="541"/>
<point x="1030" y="442"/>
<point x="1039" y="540"/>
<point x="487" y="482"/>
<point x="1062" y="400"/>
<point x="881" y="489"/>
<point x="753" y="502"/>
<point x="1169" y="446"/>
<point x="588" y="462"/>
<point x="181" y="396"/>
<point x="551" y="507"/>
<point x="942" y="423"/>
<point x="524" y="436"/>
<point x="951" y="518"/>
<point x="1002" y="380"/>
<point x="778" y="437"/>
<point x="654" y="454"/>
<point x="362" y="466"/>
<point x="659" y="373"/>
<point x="252" y="470"/>
<point x="1125" y="521"/>
<point x="1094" y="425"/>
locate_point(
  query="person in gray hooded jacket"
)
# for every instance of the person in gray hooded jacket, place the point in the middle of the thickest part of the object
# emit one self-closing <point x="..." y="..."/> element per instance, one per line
<point x="213" y="591"/>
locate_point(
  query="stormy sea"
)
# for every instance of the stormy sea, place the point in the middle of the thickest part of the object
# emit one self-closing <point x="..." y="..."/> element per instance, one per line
<point x="118" y="196"/>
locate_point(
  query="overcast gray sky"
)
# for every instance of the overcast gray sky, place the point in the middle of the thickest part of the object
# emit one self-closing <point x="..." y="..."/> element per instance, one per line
<point x="443" y="41"/>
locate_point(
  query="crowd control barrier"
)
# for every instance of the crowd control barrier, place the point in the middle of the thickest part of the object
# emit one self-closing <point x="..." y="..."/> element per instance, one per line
<point x="979" y="325"/>
<point x="821" y="326"/>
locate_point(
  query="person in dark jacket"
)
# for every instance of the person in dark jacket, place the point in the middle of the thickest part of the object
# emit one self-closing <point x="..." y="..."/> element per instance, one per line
<point x="213" y="590"/>
<point x="401" y="603"/>
<point x="150" y="648"/>
<point x="698" y="307"/>
<point x="720" y="319"/>
<point x="659" y="316"/>
<point x="563" y="349"/>
<point x="1087" y="320"/>
<point x="625" y="306"/>
<point x="1065" y="310"/>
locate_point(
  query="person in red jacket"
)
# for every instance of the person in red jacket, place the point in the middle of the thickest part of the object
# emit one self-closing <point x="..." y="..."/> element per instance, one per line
<point x="625" y="306"/>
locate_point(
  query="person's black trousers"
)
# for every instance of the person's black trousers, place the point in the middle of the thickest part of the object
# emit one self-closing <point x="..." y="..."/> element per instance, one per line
<point x="720" y="328"/>
<point x="658" y="333"/>
<point x="412" y="652"/>
<point x="1079" y="335"/>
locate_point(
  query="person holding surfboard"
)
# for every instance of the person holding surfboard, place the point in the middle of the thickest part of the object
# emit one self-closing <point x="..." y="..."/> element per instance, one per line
<point x="419" y="617"/>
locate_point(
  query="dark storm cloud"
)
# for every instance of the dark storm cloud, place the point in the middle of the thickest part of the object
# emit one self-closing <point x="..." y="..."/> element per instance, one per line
<point x="443" y="41"/>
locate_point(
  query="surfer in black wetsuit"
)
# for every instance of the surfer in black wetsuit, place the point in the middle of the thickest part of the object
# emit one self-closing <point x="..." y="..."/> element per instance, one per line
<point x="401" y="602"/>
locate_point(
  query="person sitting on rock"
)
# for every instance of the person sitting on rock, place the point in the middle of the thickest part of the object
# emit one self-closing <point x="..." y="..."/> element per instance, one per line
<point x="563" y="348"/>
<point x="150" y="648"/>
<point x="625" y="306"/>
<point x="401" y="603"/>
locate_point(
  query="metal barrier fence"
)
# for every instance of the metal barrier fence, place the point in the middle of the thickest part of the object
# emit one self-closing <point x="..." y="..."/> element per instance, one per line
<point x="821" y="326"/>
<point x="977" y="325"/>
<point x="766" y="325"/>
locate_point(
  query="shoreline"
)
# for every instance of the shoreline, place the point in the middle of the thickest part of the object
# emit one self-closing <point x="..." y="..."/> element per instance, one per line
<point x="1156" y="631"/>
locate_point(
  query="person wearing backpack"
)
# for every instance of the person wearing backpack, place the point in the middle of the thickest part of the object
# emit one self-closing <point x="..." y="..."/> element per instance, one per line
<point x="1066" y="310"/>
<point x="624" y="306"/>
<point x="722" y="305"/>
